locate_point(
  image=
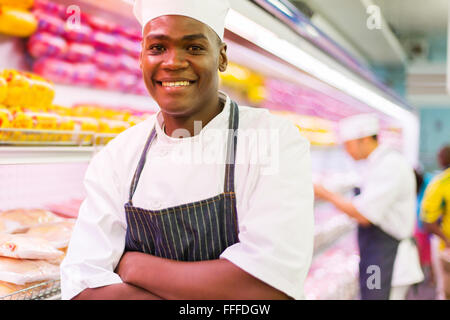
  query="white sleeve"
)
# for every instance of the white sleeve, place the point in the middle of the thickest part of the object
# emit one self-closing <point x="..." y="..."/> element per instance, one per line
<point x="98" y="238"/>
<point x="276" y="230"/>
<point x="379" y="192"/>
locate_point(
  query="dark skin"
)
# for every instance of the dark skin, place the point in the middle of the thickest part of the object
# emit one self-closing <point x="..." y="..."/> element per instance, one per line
<point x="174" y="49"/>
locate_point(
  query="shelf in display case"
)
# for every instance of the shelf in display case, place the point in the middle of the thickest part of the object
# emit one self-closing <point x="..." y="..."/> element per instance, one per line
<point x="67" y="95"/>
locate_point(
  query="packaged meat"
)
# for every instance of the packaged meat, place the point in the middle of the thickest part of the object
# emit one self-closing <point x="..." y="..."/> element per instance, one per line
<point x="44" y="44"/>
<point x="58" y="233"/>
<point x="3" y="89"/>
<point x="105" y="61"/>
<point x="55" y="70"/>
<point x="84" y="74"/>
<point x="101" y="24"/>
<point x="50" y="8"/>
<point x="131" y="33"/>
<point x="79" y="52"/>
<point x="20" y="271"/>
<point x="130" y="47"/>
<point x="20" y="220"/>
<point x="20" y="246"/>
<point x="49" y="23"/>
<point x="105" y="42"/>
<point x="129" y="64"/>
<point x="17" y="22"/>
<point x="123" y="81"/>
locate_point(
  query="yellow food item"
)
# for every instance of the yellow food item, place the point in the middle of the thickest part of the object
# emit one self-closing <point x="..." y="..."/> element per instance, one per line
<point x="5" y="122"/>
<point x="66" y="124"/>
<point x="27" y="90"/>
<point x="44" y="121"/>
<point x="23" y="4"/>
<point x="21" y="121"/>
<point x="17" y="22"/>
<point x="18" y="85"/>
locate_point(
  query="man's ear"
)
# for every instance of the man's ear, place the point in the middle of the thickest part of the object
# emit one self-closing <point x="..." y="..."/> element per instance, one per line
<point x="223" y="58"/>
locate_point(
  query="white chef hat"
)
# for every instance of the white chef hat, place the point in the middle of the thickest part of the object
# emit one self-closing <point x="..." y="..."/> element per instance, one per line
<point x="210" y="12"/>
<point x="359" y="126"/>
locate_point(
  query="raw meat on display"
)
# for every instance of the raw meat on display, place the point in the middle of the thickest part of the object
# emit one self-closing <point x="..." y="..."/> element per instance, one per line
<point x="57" y="234"/>
<point x="25" y="247"/>
<point x="19" y="271"/>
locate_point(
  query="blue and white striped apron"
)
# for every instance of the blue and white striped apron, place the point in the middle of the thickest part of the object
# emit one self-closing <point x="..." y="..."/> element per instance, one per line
<point x="195" y="231"/>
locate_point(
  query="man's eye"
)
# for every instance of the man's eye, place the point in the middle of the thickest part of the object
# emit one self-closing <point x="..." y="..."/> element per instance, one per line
<point x="156" y="48"/>
<point x="195" y="48"/>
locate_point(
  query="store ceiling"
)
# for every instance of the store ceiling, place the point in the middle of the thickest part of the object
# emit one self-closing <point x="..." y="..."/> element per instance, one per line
<point x="385" y="46"/>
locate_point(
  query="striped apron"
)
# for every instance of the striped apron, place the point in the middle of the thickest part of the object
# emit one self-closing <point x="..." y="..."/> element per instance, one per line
<point x="195" y="231"/>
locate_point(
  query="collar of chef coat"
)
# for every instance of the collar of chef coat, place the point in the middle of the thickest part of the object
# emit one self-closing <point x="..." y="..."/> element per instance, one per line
<point x="217" y="122"/>
<point x="377" y="154"/>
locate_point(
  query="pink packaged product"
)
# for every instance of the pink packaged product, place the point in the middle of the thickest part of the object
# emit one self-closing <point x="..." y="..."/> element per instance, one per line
<point x="131" y="33"/>
<point x="79" y="52"/>
<point x="105" y="61"/>
<point x="50" y="7"/>
<point x="105" y="42"/>
<point x="82" y="33"/>
<point x="101" y="24"/>
<point x="130" y="47"/>
<point x="43" y="44"/>
<point x="83" y="74"/>
<point x="49" y="23"/>
<point x="103" y="79"/>
<point x="140" y="88"/>
<point x="123" y="81"/>
<point x="55" y="70"/>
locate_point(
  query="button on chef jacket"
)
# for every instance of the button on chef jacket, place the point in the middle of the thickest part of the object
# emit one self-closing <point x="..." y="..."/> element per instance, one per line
<point x="388" y="200"/>
<point x="274" y="197"/>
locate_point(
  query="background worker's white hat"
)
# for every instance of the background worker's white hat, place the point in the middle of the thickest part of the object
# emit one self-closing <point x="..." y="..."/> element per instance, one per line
<point x="210" y="12"/>
<point x="359" y="126"/>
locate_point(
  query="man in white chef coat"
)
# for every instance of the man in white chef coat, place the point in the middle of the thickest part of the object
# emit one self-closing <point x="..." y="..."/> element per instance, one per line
<point x="166" y="217"/>
<point x="384" y="210"/>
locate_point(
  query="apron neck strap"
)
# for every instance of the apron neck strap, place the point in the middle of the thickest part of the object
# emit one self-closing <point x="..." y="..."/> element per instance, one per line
<point x="140" y="167"/>
<point x="231" y="147"/>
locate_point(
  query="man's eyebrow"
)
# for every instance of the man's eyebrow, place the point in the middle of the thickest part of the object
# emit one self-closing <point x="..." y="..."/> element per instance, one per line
<point x="165" y="37"/>
<point x="195" y="37"/>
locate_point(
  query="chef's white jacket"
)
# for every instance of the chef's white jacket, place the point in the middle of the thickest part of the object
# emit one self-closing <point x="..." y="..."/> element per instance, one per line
<point x="273" y="186"/>
<point x="388" y="200"/>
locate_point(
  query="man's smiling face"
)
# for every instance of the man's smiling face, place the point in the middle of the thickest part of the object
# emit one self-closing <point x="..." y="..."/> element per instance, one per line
<point x="180" y="59"/>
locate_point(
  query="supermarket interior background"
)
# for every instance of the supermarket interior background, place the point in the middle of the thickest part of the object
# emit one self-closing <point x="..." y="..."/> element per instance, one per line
<point x="66" y="92"/>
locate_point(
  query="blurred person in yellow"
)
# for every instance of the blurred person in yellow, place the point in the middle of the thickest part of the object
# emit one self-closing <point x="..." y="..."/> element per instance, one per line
<point x="436" y="216"/>
<point x="385" y="211"/>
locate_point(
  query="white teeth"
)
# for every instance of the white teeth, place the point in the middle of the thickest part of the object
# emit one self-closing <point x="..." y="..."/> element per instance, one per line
<point x="176" y="84"/>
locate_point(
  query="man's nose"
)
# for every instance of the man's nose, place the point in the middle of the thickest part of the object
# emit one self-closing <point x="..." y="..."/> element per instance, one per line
<point x="175" y="59"/>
